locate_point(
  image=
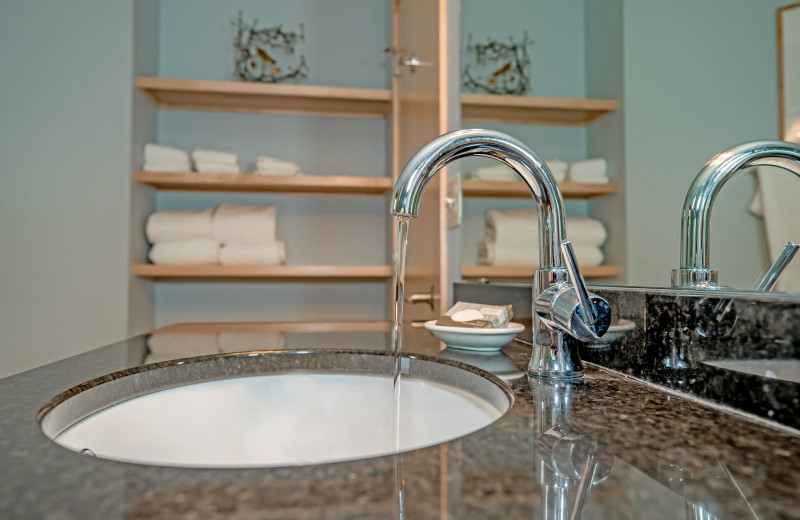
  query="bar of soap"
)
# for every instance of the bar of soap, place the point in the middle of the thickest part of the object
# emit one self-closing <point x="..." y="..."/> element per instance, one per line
<point x="476" y="316"/>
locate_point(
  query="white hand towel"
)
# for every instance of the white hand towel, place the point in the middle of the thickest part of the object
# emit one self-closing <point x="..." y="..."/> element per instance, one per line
<point x="173" y="225"/>
<point x="243" y="224"/>
<point x="271" y="166"/>
<point x="249" y="254"/>
<point x="158" y="153"/>
<point x="243" y="341"/>
<point x="214" y="156"/>
<point x="521" y="226"/>
<point x="590" y="170"/>
<point x="780" y="191"/>
<point x="167" y="166"/>
<point x="216" y="167"/>
<point x="200" y="251"/>
<point x="165" y="346"/>
<point x="558" y="168"/>
<point x="491" y="253"/>
<point x="501" y="172"/>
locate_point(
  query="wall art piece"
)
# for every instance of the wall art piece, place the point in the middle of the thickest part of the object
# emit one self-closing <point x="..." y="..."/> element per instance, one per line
<point x="496" y="67"/>
<point x="268" y="55"/>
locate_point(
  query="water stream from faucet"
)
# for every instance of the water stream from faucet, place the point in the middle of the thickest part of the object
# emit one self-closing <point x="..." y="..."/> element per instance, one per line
<point x="397" y="343"/>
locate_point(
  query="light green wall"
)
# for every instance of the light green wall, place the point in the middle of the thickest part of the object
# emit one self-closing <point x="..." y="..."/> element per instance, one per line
<point x="65" y="145"/>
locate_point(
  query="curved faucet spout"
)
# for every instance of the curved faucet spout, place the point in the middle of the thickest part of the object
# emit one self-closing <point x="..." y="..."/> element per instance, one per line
<point x="696" y="217"/>
<point x="501" y="147"/>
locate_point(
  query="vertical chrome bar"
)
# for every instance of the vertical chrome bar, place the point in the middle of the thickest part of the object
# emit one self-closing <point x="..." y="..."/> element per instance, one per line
<point x="770" y="277"/>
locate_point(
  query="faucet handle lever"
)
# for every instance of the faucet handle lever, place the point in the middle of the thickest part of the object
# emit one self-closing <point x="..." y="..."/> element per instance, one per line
<point x="770" y="276"/>
<point x="586" y="306"/>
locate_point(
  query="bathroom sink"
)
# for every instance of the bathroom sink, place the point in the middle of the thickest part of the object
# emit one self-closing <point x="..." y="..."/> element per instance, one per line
<point x="784" y="369"/>
<point x="272" y="409"/>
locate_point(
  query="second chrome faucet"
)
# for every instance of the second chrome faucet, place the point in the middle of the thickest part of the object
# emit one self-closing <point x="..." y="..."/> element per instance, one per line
<point x="564" y="312"/>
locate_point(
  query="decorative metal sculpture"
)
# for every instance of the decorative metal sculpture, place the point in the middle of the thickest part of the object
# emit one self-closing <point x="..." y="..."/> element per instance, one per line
<point x="268" y="55"/>
<point x="496" y="67"/>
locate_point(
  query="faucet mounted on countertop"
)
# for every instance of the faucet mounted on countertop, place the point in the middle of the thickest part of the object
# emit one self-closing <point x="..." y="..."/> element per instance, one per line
<point x="695" y="272"/>
<point x="563" y="312"/>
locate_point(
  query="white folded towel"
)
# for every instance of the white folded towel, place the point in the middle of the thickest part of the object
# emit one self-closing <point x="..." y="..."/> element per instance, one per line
<point x="173" y="225"/>
<point x="501" y="172"/>
<point x="243" y="224"/>
<point x="242" y="341"/>
<point x="165" y="346"/>
<point x="521" y="226"/>
<point x="216" y="167"/>
<point x="249" y="254"/>
<point x="214" y="156"/>
<point x="491" y="253"/>
<point x="271" y="166"/>
<point x="158" y="153"/>
<point x="590" y="170"/>
<point x="167" y="166"/>
<point x="199" y="251"/>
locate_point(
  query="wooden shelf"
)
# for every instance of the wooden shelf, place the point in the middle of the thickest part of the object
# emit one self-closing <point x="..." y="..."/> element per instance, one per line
<point x="531" y="110"/>
<point x="501" y="272"/>
<point x="514" y="189"/>
<point x="275" y="273"/>
<point x="265" y="98"/>
<point x="191" y="181"/>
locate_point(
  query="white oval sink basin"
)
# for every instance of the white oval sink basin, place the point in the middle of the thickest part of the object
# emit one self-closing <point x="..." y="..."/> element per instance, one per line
<point x="279" y="419"/>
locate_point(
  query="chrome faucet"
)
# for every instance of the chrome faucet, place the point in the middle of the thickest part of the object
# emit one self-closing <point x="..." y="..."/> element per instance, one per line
<point x="694" y="271"/>
<point x="563" y="312"/>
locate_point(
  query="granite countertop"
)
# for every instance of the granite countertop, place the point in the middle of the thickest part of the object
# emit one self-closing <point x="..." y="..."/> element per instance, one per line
<point x="663" y="456"/>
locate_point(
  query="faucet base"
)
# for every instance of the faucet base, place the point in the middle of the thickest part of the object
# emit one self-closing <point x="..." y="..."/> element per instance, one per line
<point x="555" y="356"/>
<point x="695" y="278"/>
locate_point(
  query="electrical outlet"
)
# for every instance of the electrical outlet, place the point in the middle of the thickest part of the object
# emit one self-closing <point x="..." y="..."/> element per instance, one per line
<point x="453" y="201"/>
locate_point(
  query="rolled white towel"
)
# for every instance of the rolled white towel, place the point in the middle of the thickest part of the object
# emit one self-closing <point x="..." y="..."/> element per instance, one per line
<point x="158" y="153"/>
<point x="200" y="251"/>
<point x="491" y="253"/>
<point x="216" y="167"/>
<point x="271" y="166"/>
<point x="242" y="341"/>
<point x="249" y="254"/>
<point x="214" y="156"/>
<point x="174" y="225"/>
<point x="165" y="346"/>
<point x="590" y="170"/>
<point x="243" y="224"/>
<point x="558" y="168"/>
<point x="521" y="226"/>
<point x="167" y="166"/>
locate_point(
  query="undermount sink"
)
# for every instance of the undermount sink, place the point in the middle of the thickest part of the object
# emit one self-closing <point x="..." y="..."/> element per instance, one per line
<point x="272" y="409"/>
<point x="783" y="369"/>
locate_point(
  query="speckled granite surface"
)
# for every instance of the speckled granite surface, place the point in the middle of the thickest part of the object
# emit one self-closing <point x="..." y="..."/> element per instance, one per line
<point x="669" y="458"/>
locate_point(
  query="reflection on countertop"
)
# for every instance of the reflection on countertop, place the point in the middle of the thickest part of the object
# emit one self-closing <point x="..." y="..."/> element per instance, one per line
<point x="663" y="456"/>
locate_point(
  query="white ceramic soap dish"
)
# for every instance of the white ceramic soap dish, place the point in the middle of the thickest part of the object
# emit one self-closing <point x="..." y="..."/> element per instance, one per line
<point x="475" y="339"/>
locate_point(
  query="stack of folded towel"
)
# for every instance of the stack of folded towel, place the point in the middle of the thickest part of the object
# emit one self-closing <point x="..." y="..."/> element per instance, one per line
<point x="589" y="171"/>
<point x="248" y="235"/>
<point x="501" y="172"/>
<point x="234" y="234"/>
<point x="271" y="166"/>
<point x="166" y="346"/>
<point x="512" y="238"/>
<point x="215" y="161"/>
<point x="160" y="158"/>
<point x="182" y="238"/>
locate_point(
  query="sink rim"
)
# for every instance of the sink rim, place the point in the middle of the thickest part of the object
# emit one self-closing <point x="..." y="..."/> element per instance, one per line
<point x="81" y="401"/>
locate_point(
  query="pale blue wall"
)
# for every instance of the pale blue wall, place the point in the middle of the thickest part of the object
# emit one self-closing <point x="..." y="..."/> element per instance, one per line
<point x="64" y="177"/>
<point x="558" y="59"/>
<point x="343" y="43"/>
<point x="699" y="77"/>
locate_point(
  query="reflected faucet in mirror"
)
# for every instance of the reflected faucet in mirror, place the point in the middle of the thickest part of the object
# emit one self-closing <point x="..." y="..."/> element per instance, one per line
<point x="695" y="271"/>
<point x="564" y="312"/>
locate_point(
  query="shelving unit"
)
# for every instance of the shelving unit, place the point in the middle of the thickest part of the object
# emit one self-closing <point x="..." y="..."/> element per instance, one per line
<point x="518" y="190"/>
<point x="261" y="98"/>
<point x="522" y="273"/>
<point x="192" y="181"/>
<point x="264" y="273"/>
<point x="533" y="110"/>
